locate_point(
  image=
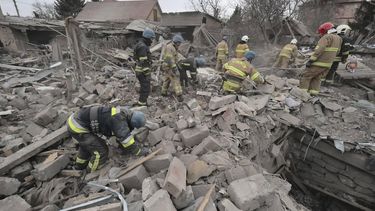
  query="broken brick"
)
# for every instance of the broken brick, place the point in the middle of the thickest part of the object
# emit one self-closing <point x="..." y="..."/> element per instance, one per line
<point x="193" y="136"/>
<point x="160" y="201"/>
<point x="9" y="186"/>
<point x="45" y="117"/>
<point x="158" y="163"/>
<point x="15" y="203"/>
<point x="46" y="171"/>
<point x="134" y="178"/>
<point x="175" y="181"/>
<point x="218" y="102"/>
<point x="208" y="144"/>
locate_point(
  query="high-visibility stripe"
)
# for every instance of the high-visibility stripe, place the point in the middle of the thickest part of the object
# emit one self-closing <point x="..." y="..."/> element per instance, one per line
<point x="143" y="58"/>
<point x="94" y="166"/>
<point x="314" y="92"/>
<point x="285" y="55"/>
<point x="237" y="71"/>
<point x="256" y="75"/>
<point x="240" y="51"/>
<point x="231" y="86"/>
<point x="346" y="53"/>
<point x="331" y="49"/>
<point x="322" y="64"/>
<point x="80" y="160"/>
<point x="337" y="59"/>
<point x="129" y="143"/>
<point x="139" y="69"/>
<point x="313" y="58"/>
<point x="75" y="127"/>
<point x="174" y="65"/>
<point x="186" y="64"/>
<point x="113" y="111"/>
<point x="289" y="49"/>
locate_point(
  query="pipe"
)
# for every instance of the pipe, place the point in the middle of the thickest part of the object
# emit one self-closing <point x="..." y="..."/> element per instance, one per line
<point x="123" y="202"/>
<point x="88" y="203"/>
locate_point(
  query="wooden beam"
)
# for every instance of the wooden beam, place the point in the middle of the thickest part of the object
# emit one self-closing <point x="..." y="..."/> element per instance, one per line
<point x="13" y="67"/>
<point x="32" y="149"/>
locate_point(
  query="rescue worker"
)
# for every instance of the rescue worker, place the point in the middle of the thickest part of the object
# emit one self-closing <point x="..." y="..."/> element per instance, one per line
<point x="343" y="31"/>
<point x="89" y="123"/>
<point x="242" y="47"/>
<point x="221" y="54"/>
<point x="190" y="65"/>
<point x="170" y="69"/>
<point x="236" y="70"/>
<point x="142" y="56"/>
<point x="287" y="54"/>
<point x="321" y="60"/>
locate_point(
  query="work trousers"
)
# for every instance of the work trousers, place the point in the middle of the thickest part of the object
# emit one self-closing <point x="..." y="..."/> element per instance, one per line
<point x="331" y="73"/>
<point x="219" y="64"/>
<point x="168" y="79"/>
<point x="184" y="79"/>
<point x="92" y="152"/>
<point x="144" y="79"/>
<point x="282" y="62"/>
<point x="310" y="80"/>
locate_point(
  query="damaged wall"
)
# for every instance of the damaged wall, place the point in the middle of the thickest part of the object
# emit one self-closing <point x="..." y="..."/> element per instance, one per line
<point x="13" y="40"/>
<point x="318" y="163"/>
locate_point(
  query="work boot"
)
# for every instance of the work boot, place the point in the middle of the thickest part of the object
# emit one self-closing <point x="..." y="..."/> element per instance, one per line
<point x="139" y="104"/>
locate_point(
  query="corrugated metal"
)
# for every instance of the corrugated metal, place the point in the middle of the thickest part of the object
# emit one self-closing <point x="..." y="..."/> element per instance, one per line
<point x="125" y="11"/>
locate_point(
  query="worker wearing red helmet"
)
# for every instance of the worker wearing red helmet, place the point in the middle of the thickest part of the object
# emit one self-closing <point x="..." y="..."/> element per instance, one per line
<point x="321" y="60"/>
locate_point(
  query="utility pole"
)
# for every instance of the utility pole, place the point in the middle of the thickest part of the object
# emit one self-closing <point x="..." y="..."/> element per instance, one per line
<point x="15" y="5"/>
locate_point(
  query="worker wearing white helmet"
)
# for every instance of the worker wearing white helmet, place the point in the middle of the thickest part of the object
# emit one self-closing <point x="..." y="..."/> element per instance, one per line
<point x="242" y="47"/>
<point x="343" y="31"/>
<point x="287" y="54"/>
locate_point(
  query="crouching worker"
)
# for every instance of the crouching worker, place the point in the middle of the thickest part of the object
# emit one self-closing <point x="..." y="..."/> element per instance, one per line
<point x="237" y="70"/>
<point x="189" y="65"/>
<point x="89" y="123"/>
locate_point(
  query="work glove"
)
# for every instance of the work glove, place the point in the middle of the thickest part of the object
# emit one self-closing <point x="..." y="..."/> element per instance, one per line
<point x="130" y="146"/>
<point x="309" y="63"/>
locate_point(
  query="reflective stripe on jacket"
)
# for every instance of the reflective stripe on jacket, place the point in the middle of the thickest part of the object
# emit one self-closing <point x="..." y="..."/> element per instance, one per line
<point x="222" y="50"/>
<point x="241" y="49"/>
<point x="326" y="50"/>
<point x="170" y="57"/>
<point x="240" y="68"/>
<point x="289" y="51"/>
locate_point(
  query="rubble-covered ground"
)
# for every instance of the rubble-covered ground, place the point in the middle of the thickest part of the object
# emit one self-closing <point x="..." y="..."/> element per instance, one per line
<point x="237" y="144"/>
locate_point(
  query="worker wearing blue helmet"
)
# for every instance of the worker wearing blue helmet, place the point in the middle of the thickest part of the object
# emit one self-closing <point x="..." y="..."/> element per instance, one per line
<point x="190" y="65"/>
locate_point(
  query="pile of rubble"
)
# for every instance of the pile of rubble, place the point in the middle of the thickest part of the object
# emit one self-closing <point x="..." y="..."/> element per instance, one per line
<point x="212" y="152"/>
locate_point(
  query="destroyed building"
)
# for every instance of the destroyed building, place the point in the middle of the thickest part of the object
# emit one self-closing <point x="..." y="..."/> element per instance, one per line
<point x="272" y="147"/>
<point x="20" y="34"/>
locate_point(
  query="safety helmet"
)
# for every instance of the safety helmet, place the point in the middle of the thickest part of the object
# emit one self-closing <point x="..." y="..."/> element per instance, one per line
<point x="250" y="55"/>
<point x="177" y="38"/>
<point x="148" y="33"/>
<point x="225" y="38"/>
<point x="343" y="29"/>
<point x="200" y="61"/>
<point x="245" y="38"/>
<point x="138" y="119"/>
<point x="294" y="41"/>
<point x="323" y="29"/>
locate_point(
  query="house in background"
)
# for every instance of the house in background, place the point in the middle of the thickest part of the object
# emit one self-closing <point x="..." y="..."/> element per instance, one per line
<point x="122" y="12"/>
<point x="187" y="22"/>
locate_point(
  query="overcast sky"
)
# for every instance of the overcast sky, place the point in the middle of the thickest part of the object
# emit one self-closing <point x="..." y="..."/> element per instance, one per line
<point x="25" y="6"/>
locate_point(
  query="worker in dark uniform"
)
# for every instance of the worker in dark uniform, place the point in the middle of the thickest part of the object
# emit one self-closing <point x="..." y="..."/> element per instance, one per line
<point x="343" y="31"/>
<point x="189" y="65"/>
<point x="89" y="123"/>
<point x="142" y="56"/>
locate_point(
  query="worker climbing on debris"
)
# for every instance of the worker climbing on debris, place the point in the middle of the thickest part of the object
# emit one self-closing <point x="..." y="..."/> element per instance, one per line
<point x="89" y="123"/>
<point x="221" y="54"/>
<point x="343" y="31"/>
<point x="142" y="56"/>
<point x="170" y="69"/>
<point x="321" y="60"/>
<point x="237" y="70"/>
<point x="242" y="47"/>
<point x="288" y="54"/>
<point x="189" y="67"/>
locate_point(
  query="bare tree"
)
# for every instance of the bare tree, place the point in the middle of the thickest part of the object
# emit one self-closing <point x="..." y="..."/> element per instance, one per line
<point x="44" y="10"/>
<point x="268" y="15"/>
<point x="212" y="7"/>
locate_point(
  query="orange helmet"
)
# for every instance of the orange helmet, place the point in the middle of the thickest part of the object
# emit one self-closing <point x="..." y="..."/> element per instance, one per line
<point x="323" y="29"/>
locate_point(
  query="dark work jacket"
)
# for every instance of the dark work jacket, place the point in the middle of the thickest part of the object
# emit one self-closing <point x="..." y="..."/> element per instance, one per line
<point x="187" y="64"/>
<point x="142" y="55"/>
<point x="118" y="125"/>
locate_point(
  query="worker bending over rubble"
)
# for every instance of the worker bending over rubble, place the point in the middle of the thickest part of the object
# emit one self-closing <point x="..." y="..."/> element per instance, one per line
<point x="343" y="31"/>
<point x="142" y="56"/>
<point x="221" y="54"/>
<point x="242" y="47"/>
<point x="321" y="60"/>
<point x="189" y="66"/>
<point x="287" y="54"/>
<point x="237" y="70"/>
<point x="89" y="123"/>
<point x="170" y="69"/>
